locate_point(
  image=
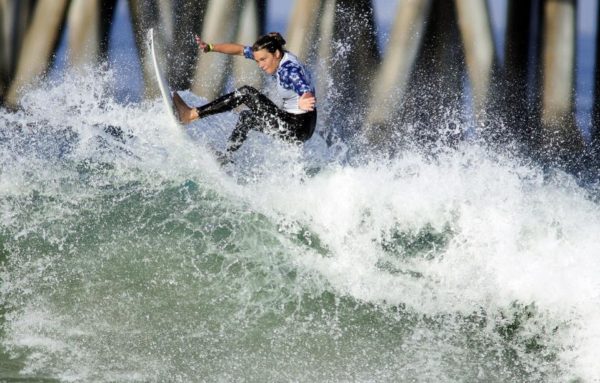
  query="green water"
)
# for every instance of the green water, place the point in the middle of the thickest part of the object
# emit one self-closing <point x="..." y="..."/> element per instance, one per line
<point x="171" y="282"/>
<point x="135" y="258"/>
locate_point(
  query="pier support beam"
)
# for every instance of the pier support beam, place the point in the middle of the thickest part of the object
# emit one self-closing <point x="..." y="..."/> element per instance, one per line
<point x="478" y="43"/>
<point x="431" y="114"/>
<point x="517" y="48"/>
<point x="7" y="14"/>
<point x="390" y="85"/>
<point x="84" y="32"/>
<point x="39" y="44"/>
<point x="303" y="28"/>
<point x="595" y="134"/>
<point x="560" y="140"/>
<point x="15" y="17"/>
<point x="213" y="69"/>
<point x="189" y="17"/>
<point x="251" y="25"/>
<point x="350" y="59"/>
<point x="89" y="29"/>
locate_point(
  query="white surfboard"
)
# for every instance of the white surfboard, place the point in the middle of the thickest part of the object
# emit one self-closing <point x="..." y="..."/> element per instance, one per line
<point x="163" y="85"/>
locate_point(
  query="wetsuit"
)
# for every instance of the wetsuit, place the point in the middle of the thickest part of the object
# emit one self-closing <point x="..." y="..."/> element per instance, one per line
<point x="285" y="120"/>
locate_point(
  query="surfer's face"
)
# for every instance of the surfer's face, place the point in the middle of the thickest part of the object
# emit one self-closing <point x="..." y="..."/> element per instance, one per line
<point x="267" y="61"/>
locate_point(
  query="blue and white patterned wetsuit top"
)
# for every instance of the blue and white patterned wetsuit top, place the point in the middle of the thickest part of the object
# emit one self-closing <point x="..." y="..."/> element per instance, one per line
<point x="293" y="80"/>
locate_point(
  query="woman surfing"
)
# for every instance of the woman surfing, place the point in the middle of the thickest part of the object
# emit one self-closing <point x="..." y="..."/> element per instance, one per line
<point x="292" y="115"/>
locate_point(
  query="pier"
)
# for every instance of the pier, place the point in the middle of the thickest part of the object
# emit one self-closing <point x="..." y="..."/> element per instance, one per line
<point x="439" y="54"/>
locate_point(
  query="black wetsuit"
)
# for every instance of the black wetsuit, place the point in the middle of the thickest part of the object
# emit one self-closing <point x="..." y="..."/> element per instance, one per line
<point x="287" y="121"/>
<point x="263" y="115"/>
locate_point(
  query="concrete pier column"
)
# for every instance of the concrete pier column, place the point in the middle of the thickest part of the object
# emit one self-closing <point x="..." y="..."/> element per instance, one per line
<point x="478" y="43"/>
<point x="325" y="33"/>
<point x="166" y="13"/>
<point x="559" y="136"/>
<point x="107" y="14"/>
<point x="355" y="29"/>
<point x="251" y="25"/>
<point x="431" y="113"/>
<point x="517" y="48"/>
<point x="39" y="44"/>
<point x="84" y="32"/>
<point x="348" y="60"/>
<point x="303" y="27"/>
<point x="390" y="84"/>
<point x="220" y="25"/>
<point x="325" y="84"/>
<point x="595" y="134"/>
<point x="15" y="17"/>
<point x="7" y="14"/>
<point x="188" y="20"/>
<point x="89" y="27"/>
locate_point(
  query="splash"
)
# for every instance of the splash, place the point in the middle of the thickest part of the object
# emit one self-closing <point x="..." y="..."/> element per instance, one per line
<point x="130" y="255"/>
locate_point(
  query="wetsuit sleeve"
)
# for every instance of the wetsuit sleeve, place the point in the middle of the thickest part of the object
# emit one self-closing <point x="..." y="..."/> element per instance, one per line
<point x="248" y="53"/>
<point x="293" y="76"/>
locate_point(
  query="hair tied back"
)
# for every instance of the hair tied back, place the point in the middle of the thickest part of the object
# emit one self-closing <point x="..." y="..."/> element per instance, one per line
<point x="272" y="42"/>
<point x="276" y="36"/>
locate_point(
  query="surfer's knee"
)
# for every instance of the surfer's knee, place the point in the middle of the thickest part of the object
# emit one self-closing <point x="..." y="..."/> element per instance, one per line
<point x="248" y="90"/>
<point x="245" y="120"/>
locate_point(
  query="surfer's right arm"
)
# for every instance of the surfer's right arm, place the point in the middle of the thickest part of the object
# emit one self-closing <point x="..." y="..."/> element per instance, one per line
<point x="227" y="48"/>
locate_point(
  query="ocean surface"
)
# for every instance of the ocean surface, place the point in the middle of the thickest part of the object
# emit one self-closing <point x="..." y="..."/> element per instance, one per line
<point x="127" y="254"/>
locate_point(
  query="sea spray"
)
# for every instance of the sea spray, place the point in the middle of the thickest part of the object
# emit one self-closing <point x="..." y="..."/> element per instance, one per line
<point x="130" y="255"/>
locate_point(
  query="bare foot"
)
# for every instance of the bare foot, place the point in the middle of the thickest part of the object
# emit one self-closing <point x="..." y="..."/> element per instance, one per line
<point x="184" y="112"/>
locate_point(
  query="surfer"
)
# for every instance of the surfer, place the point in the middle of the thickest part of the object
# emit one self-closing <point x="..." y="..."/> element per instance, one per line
<point x="292" y="116"/>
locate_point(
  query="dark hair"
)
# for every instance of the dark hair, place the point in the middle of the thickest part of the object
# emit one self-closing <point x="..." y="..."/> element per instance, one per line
<point x="272" y="42"/>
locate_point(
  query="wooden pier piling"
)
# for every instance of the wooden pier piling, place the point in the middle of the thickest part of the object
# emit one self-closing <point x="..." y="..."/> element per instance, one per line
<point x="188" y="21"/>
<point x="480" y="54"/>
<point x="432" y="110"/>
<point x="89" y="28"/>
<point x="390" y="84"/>
<point x="560" y="137"/>
<point x="348" y="60"/>
<point x="15" y="17"/>
<point x="417" y="93"/>
<point x="39" y="43"/>
<point x="516" y="110"/>
<point x="595" y="130"/>
<point x="6" y="19"/>
<point x="219" y="26"/>
<point x="251" y="25"/>
<point x="302" y="31"/>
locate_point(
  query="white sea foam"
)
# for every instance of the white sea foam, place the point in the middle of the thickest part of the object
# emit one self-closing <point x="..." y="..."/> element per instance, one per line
<point x="518" y="235"/>
<point x="504" y="232"/>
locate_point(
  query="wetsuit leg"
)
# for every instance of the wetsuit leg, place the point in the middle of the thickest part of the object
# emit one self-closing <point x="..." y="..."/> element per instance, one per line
<point x="296" y="128"/>
<point x="263" y="116"/>
<point x="246" y="122"/>
<point x="246" y="95"/>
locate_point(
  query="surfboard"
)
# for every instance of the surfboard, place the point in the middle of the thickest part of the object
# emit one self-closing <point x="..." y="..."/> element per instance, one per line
<point x="163" y="85"/>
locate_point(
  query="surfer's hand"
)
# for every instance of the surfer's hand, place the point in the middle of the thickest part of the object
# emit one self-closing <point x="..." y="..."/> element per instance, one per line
<point x="307" y="102"/>
<point x="204" y="46"/>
